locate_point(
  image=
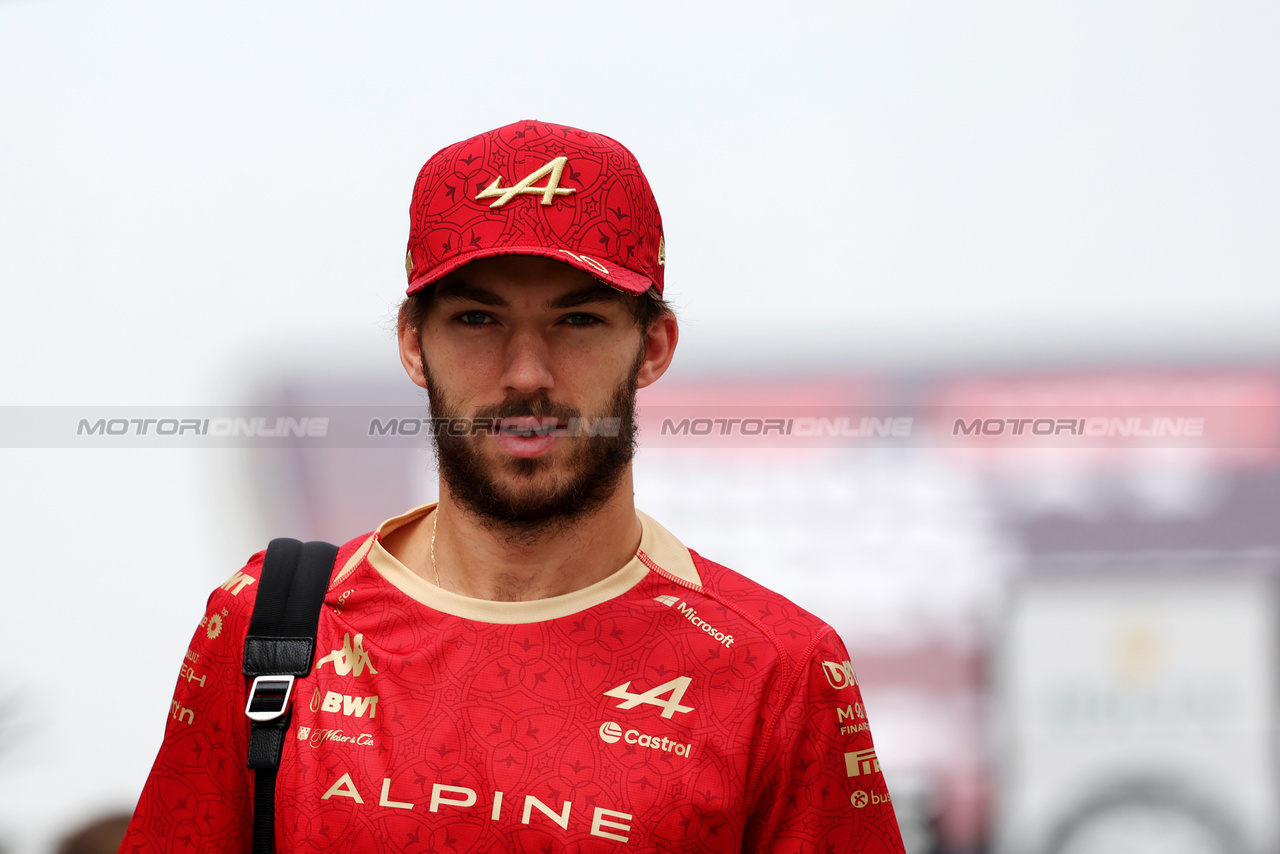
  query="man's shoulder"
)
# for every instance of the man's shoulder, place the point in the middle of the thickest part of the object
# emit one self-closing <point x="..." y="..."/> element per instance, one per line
<point x="236" y="596"/>
<point x="794" y="630"/>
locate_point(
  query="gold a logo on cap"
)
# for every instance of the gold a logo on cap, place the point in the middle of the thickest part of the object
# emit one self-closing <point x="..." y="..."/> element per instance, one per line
<point x="555" y="168"/>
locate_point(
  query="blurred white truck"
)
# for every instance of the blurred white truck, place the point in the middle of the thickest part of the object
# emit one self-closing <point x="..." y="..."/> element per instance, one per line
<point x="1136" y="704"/>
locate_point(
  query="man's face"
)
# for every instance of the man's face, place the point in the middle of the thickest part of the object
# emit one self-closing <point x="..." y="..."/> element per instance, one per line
<point x="536" y="348"/>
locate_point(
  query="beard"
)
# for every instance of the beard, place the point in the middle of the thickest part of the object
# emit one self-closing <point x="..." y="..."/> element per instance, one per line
<point x="506" y="494"/>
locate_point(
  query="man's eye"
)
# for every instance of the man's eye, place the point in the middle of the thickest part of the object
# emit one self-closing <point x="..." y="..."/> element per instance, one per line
<point x="473" y="318"/>
<point x="581" y="319"/>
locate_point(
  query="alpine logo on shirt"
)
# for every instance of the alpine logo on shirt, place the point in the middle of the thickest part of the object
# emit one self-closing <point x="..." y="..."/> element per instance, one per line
<point x="599" y="821"/>
<point x="674" y="691"/>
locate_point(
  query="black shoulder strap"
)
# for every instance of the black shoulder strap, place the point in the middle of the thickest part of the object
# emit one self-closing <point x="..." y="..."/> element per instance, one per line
<point x="279" y="648"/>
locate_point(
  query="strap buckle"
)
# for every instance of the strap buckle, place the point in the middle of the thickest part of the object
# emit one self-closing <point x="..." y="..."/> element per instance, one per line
<point x="269" y="697"/>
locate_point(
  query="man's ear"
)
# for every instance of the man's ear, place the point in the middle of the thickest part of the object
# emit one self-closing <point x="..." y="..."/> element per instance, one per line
<point x="659" y="347"/>
<point x="410" y="340"/>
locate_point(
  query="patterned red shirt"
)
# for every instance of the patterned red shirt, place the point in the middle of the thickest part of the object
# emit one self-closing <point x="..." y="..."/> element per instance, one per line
<point x="674" y="706"/>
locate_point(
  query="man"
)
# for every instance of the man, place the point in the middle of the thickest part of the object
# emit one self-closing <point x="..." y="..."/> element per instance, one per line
<point x="531" y="664"/>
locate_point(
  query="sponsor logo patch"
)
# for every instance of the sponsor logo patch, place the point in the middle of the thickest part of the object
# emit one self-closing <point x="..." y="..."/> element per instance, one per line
<point x="345" y="704"/>
<point x="653" y="697"/>
<point x="213" y="624"/>
<point x="611" y="733"/>
<point x="839" y="674"/>
<point x="605" y="823"/>
<point x="861" y="762"/>
<point x="861" y="799"/>
<point x="553" y="168"/>
<point x="238" y="582"/>
<point x="692" y="616"/>
<point x="851" y="718"/>
<point x="351" y="658"/>
<point x="316" y="736"/>
<point x="188" y="673"/>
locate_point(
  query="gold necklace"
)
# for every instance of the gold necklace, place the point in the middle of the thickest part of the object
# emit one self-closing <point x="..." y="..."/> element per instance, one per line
<point x="435" y="517"/>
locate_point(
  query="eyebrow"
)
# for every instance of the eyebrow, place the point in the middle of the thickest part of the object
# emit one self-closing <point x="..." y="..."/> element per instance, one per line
<point x="459" y="290"/>
<point x="586" y="296"/>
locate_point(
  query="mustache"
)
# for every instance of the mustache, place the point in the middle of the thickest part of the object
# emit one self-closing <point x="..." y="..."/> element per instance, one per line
<point x="535" y="406"/>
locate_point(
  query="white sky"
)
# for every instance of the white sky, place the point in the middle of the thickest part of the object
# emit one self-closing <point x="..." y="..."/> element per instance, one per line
<point x="192" y="194"/>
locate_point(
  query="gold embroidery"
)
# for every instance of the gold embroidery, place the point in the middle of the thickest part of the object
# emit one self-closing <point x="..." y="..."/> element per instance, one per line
<point x="548" y="193"/>
<point x="408" y="264"/>
<point x="662" y="251"/>
<point x="588" y="260"/>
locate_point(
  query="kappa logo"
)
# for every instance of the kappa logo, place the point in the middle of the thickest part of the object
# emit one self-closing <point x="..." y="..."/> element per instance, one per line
<point x="554" y="168"/>
<point x="839" y="674"/>
<point x="675" y="688"/>
<point x="351" y="658"/>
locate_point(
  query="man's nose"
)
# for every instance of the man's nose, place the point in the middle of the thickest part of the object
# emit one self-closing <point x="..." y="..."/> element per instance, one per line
<point x="527" y="367"/>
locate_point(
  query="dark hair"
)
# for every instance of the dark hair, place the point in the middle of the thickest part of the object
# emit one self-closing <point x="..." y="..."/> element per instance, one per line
<point x="646" y="308"/>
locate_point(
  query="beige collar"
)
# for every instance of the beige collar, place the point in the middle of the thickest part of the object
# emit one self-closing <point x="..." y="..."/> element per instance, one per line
<point x="659" y="551"/>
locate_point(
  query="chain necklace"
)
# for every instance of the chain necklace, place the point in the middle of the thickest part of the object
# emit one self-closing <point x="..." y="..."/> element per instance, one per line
<point x="435" y="517"/>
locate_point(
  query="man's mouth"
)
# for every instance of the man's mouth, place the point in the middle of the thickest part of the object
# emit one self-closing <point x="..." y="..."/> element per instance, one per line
<point x="528" y="427"/>
<point x="529" y="432"/>
<point x="527" y="436"/>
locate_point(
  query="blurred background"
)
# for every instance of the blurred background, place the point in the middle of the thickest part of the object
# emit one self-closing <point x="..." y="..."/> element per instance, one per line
<point x="907" y="210"/>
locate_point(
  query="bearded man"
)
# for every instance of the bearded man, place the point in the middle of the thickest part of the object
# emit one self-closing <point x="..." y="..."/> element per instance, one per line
<point x="531" y="664"/>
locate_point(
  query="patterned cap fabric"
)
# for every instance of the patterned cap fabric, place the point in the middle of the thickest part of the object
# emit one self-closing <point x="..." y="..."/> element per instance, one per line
<point x="534" y="188"/>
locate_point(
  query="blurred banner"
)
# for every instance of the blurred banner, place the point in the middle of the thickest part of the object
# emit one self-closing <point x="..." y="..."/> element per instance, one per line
<point x="1057" y="588"/>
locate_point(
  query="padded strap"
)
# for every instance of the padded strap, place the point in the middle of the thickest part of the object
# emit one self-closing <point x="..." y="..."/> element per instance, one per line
<point x="282" y="632"/>
<point x="281" y="642"/>
<point x="264" y="810"/>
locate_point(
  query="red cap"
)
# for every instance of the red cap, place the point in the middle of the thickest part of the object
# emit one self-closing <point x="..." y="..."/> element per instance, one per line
<point x="533" y="188"/>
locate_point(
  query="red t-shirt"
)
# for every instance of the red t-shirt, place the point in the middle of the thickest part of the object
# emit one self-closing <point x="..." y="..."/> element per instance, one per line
<point x="674" y="706"/>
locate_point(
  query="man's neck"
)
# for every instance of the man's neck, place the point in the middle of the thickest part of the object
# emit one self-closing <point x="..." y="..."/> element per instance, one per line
<point x="484" y="561"/>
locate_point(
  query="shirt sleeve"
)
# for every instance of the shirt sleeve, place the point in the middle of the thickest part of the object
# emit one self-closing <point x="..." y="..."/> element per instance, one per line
<point x="199" y="794"/>
<point x="821" y="788"/>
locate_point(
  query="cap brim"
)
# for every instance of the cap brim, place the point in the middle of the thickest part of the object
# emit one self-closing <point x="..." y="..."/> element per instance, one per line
<point x="619" y="278"/>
